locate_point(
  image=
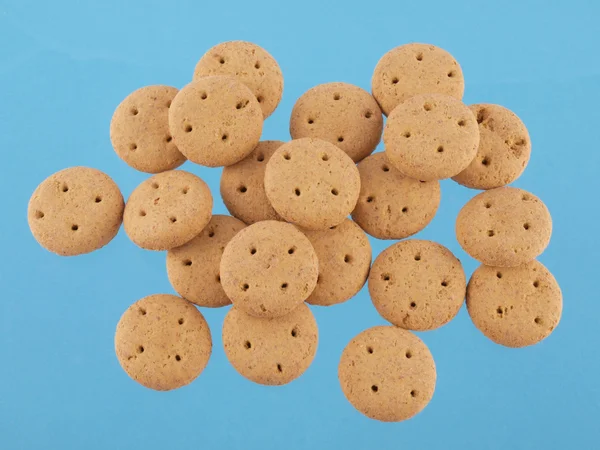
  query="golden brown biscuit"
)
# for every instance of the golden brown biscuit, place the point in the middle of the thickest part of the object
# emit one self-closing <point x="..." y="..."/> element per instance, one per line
<point x="269" y="268"/>
<point x="387" y="374"/>
<point x="163" y="342"/>
<point x="312" y="183"/>
<point x="417" y="285"/>
<point x="415" y="69"/>
<point x="344" y="254"/>
<point x="75" y="211"/>
<point x="342" y="114"/>
<point x="271" y="351"/>
<point x="243" y="185"/>
<point x="504" y="149"/>
<point x="504" y="227"/>
<point x="431" y="137"/>
<point x="139" y="130"/>
<point x="250" y="64"/>
<point x="391" y="205"/>
<point x="167" y="210"/>
<point x="516" y="306"/>
<point x="215" y="121"/>
<point x="193" y="268"/>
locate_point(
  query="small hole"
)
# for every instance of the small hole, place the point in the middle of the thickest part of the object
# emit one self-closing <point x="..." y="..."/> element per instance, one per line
<point x="169" y="139"/>
<point x="284" y="286"/>
<point x="347" y="259"/>
<point x="334" y="191"/>
<point x="187" y="262"/>
<point x="413" y="305"/>
<point x="488" y="205"/>
<point x="287" y="156"/>
<point x="177" y="358"/>
<point x="491" y="233"/>
<point x="417" y="257"/>
<point x="260" y="157"/>
<point x="242" y="189"/>
<point x="385" y="277"/>
<point x="461" y="123"/>
<point x="395" y="80"/>
<point x="294" y="332"/>
<point x="311" y="121"/>
<point x="39" y="215"/>
<point x="368" y="114"/>
<point x="180" y="321"/>
<point x="259" y="98"/>
<point x="406" y="134"/>
<point x="169" y="104"/>
<point x="370" y="349"/>
<point x="485" y="162"/>
<point x="279" y="368"/>
<point x="413" y="393"/>
<point x="74" y="227"/>
<point x="185" y="190"/>
<point x="204" y="96"/>
<point x="253" y="251"/>
<point x="239" y="106"/>
<point x="245" y="287"/>
<point x="385" y="168"/>
<point x="222" y="60"/>
<point x="420" y="57"/>
<point x="536" y="284"/>
<point x="499" y="310"/>
<point x="525" y="197"/>
<point x="65" y="188"/>
<point x="297" y="191"/>
<point x="218" y="278"/>
<point x="142" y="311"/>
<point x="292" y="250"/>
<point x="188" y="128"/>
<point x="98" y="199"/>
<point x="325" y="157"/>
<point x="341" y="139"/>
<point x="134" y="111"/>
<point x="333" y="227"/>
<point x="498" y="274"/>
<point x="538" y="320"/>
<point x="427" y="107"/>
<point x="140" y="349"/>
<point x="451" y="75"/>
<point x="248" y="345"/>
<point x="257" y="65"/>
<point x="336" y="96"/>
<point x="374" y="388"/>
<point x="133" y="147"/>
<point x="143" y="213"/>
<point x="211" y="233"/>
<point x="444" y="283"/>
<point x="155" y="185"/>
<point x="408" y="354"/>
<point x="440" y="149"/>
<point x="526" y="226"/>
<point x="173" y="219"/>
<point x="405" y="209"/>
<point x="224" y="137"/>
<point x="370" y="199"/>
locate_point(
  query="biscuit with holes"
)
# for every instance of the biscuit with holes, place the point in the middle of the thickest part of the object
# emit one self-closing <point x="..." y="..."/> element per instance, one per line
<point x="417" y="285"/>
<point x="312" y="183"/>
<point x="139" y="130"/>
<point x="415" y="69"/>
<point x="75" y="211"/>
<point x="391" y="205"/>
<point x="193" y="268"/>
<point x="269" y="268"/>
<point x="215" y="121"/>
<point x="163" y="342"/>
<point x="243" y="185"/>
<point x="431" y="137"/>
<point x="504" y="149"/>
<point x="271" y="351"/>
<point x="250" y="64"/>
<point x="504" y="227"/>
<point x="387" y="373"/>
<point x="516" y="306"/>
<point x="342" y="114"/>
<point x="167" y="210"/>
<point x="344" y="254"/>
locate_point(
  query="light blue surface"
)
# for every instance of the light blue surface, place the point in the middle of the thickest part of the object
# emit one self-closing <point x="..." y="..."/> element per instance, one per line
<point x="66" y="64"/>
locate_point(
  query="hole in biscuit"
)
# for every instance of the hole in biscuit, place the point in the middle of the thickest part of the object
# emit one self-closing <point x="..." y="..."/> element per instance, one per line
<point x="218" y="278"/>
<point x="526" y="226"/>
<point x="341" y="139"/>
<point x="462" y="123"/>
<point x="169" y="104"/>
<point x="440" y="149"/>
<point x="252" y="251"/>
<point x="177" y="358"/>
<point x="368" y="114"/>
<point x="173" y="219"/>
<point x="408" y="354"/>
<point x="417" y="257"/>
<point x="395" y="80"/>
<point x="240" y="105"/>
<point x="334" y="191"/>
<point x="187" y="262"/>
<point x="347" y="259"/>
<point x="499" y="310"/>
<point x="204" y="96"/>
<point x="292" y="250"/>
<point x="143" y="213"/>
<point x="444" y="283"/>
<point x="413" y="393"/>
<point x="98" y="199"/>
<point x="222" y="60"/>
<point x="413" y="305"/>
<point x="498" y="274"/>
<point x="134" y="111"/>
<point x="257" y="65"/>
<point x="310" y="121"/>
<point x="74" y="227"/>
<point x="155" y="185"/>
<point x="488" y="205"/>
<point x="370" y="349"/>
<point x="405" y="209"/>
<point x="374" y="388"/>
<point x="485" y="162"/>
<point x="142" y="311"/>
<point x="284" y="286"/>
<point x="385" y="276"/>
<point x="247" y="345"/>
<point x="242" y="189"/>
<point x="65" y="188"/>
<point x="39" y="215"/>
<point x="385" y="168"/>
<point x="525" y="197"/>
<point x="451" y="74"/>
<point x="140" y="349"/>
<point x="491" y="233"/>
<point x="185" y="190"/>
<point x="169" y="139"/>
<point x="224" y="137"/>
<point x="259" y="99"/>
<point x="211" y="233"/>
<point x="279" y="368"/>
<point x="260" y="157"/>
<point x="370" y="198"/>
<point x="245" y="287"/>
<point x="336" y="96"/>
<point x="325" y="157"/>
<point x="133" y="147"/>
<point x="180" y="321"/>
<point x="187" y="128"/>
<point x="406" y="134"/>
<point x="287" y="156"/>
<point x="420" y="57"/>
<point x="538" y="320"/>
<point x="294" y="332"/>
<point x="536" y="284"/>
<point x="427" y="107"/>
<point x="297" y="192"/>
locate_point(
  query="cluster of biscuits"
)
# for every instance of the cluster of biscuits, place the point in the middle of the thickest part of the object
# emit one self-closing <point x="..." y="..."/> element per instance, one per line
<point x="289" y="240"/>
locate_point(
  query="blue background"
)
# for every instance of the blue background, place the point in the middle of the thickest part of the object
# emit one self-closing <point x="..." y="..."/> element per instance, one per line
<point x="64" y="67"/>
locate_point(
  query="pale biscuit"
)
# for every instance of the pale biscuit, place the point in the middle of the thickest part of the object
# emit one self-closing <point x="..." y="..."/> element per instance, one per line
<point x="516" y="306"/>
<point x="163" y="342"/>
<point x="504" y="149"/>
<point x="139" y="130"/>
<point x="344" y="254"/>
<point x="504" y="227"/>
<point x="243" y="185"/>
<point x="417" y="285"/>
<point x="269" y="268"/>
<point x="392" y="205"/>
<point x="415" y="69"/>
<point x="75" y="211"/>
<point x="342" y="114"/>
<point x="431" y="137"/>
<point x="250" y="64"/>
<point x="387" y="373"/>
<point x="193" y="268"/>
<point x="215" y="121"/>
<point x="167" y="210"/>
<point x="312" y="183"/>
<point x="271" y="351"/>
